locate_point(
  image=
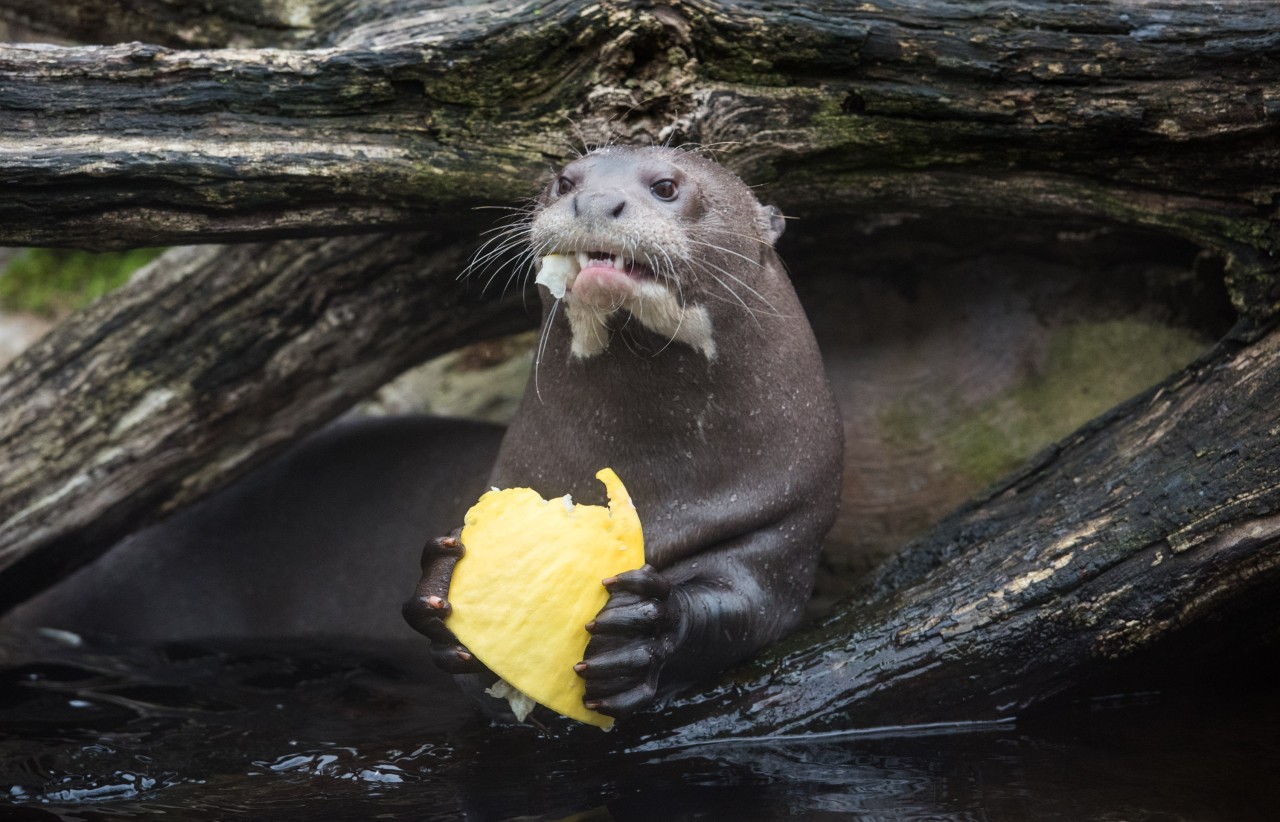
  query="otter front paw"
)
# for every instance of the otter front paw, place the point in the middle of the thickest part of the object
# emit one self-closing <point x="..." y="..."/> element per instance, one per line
<point x="631" y="639"/>
<point x="426" y="610"/>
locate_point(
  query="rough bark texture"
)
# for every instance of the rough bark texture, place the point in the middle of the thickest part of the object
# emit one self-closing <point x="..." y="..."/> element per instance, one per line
<point x="1140" y="113"/>
<point x="1147" y="114"/>
<point x="210" y="361"/>
<point x="168" y="22"/>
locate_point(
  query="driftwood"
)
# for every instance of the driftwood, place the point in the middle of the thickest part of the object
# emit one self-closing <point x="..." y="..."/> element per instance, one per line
<point x="1123" y="111"/>
<point x="1147" y="524"/>
<point x="1131" y="113"/>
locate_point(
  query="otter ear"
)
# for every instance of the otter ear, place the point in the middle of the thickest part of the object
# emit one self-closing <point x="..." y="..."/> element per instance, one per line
<point x="772" y="223"/>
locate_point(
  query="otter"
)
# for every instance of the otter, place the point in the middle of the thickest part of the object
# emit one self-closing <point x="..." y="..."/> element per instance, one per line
<point x="678" y="355"/>
<point x="673" y="349"/>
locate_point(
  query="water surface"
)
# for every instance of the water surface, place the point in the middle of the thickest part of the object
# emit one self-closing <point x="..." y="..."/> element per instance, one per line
<point x="274" y="732"/>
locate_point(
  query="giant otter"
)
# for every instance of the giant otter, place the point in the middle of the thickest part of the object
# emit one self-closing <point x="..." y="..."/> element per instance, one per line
<point x="679" y="355"/>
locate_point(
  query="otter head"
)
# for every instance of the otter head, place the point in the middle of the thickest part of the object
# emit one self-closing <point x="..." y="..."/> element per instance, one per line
<point x="658" y="235"/>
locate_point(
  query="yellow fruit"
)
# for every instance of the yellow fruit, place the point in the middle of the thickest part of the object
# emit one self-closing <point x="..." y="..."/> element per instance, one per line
<point x="529" y="582"/>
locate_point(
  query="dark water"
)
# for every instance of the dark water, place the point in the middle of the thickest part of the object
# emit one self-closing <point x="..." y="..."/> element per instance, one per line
<point x="188" y="732"/>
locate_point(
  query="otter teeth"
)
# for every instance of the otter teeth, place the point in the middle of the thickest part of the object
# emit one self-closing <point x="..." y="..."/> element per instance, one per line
<point x="585" y="258"/>
<point x="624" y="265"/>
<point x="558" y="271"/>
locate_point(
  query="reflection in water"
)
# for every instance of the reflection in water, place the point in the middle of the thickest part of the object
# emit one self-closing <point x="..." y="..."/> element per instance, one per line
<point x="271" y="732"/>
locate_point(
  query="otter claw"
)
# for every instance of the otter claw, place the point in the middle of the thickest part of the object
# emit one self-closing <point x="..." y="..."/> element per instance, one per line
<point x="442" y="548"/>
<point x="427" y="609"/>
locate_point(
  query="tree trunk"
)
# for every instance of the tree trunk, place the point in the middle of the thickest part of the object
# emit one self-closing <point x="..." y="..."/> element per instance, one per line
<point x="1123" y="112"/>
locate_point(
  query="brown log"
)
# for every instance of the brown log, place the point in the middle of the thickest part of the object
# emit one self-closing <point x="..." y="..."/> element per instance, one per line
<point x="1123" y="111"/>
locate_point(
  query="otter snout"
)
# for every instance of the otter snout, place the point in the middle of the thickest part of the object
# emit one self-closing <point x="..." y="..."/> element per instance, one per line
<point x="599" y="205"/>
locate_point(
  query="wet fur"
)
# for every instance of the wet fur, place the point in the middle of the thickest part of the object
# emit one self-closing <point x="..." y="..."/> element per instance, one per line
<point x="731" y="449"/>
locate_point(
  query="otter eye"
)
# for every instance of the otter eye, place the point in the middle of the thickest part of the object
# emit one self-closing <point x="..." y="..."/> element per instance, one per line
<point x="665" y="190"/>
<point x="563" y="186"/>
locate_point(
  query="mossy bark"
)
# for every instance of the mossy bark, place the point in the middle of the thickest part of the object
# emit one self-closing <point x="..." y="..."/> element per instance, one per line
<point x="1113" y="110"/>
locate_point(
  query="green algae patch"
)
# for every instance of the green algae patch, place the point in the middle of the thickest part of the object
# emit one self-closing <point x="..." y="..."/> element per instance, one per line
<point x="1088" y="369"/>
<point x="52" y="282"/>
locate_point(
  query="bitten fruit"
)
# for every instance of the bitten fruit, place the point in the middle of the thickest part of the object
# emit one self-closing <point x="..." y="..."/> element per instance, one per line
<point x="530" y="581"/>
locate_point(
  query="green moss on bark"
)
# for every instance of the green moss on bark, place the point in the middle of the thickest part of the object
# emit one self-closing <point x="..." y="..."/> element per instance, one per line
<point x="1088" y="368"/>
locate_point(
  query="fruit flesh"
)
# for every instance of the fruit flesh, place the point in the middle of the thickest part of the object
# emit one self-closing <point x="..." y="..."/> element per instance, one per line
<point x="530" y="580"/>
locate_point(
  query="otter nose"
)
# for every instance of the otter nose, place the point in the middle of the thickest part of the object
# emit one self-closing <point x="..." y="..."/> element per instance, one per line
<point x="600" y="204"/>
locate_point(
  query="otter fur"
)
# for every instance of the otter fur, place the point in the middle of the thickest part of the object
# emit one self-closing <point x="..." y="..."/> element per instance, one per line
<point x="680" y="356"/>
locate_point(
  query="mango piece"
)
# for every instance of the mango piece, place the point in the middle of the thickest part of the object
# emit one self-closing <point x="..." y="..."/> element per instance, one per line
<point x="529" y="583"/>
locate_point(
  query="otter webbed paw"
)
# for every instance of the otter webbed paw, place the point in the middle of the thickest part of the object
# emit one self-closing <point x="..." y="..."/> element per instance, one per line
<point x="426" y="610"/>
<point x="631" y="640"/>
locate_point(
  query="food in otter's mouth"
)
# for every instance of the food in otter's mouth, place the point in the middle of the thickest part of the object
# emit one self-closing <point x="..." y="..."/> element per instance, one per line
<point x="558" y="271"/>
<point x="530" y="581"/>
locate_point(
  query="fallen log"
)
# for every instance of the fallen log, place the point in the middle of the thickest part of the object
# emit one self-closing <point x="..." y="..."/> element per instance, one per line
<point x="1114" y="110"/>
<point x="1146" y="524"/>
<point x="209" y="362"/>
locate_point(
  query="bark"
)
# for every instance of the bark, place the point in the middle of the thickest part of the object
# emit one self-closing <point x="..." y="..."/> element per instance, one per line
<point x="1125" y="111"/>
<point x="232" y="23"/>
<point x="211" y="361"/>
<point x="241" y="23"/>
